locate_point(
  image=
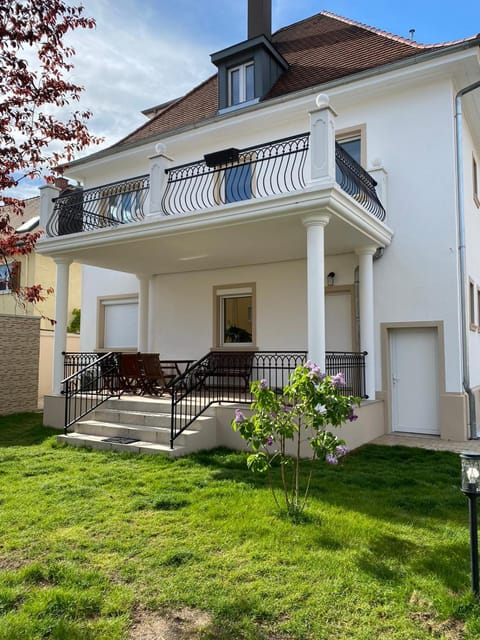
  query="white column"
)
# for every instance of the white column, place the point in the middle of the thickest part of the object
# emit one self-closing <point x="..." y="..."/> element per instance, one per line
<point x="322" y="143"/>
<point x="380" y="176"/>
<point x="158" y="178"/>
<point x="152" y="314"/>
<point x="47" y="193"/>
<point x="143" y="304"/>
<point x="367" y="326"/>
<point x="61" y="319"/>
<point x="316" y="287"/>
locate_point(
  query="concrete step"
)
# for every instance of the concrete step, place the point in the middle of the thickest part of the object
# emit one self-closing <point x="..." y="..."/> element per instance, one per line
<point x="146" y="420"/>
<point x="157" y="435"/>
<point x="119" y="415"/>
<point x="98" y="442"/>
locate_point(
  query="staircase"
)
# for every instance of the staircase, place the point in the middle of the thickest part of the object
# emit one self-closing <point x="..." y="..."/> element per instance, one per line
<point x="140" y="425"/>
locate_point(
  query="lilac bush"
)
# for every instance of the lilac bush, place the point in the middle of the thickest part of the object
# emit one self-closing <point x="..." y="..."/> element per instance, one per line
<point x="309" y="405"/>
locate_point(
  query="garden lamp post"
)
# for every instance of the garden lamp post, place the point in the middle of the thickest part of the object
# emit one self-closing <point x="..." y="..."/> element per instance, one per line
<point x="471" y="488"/>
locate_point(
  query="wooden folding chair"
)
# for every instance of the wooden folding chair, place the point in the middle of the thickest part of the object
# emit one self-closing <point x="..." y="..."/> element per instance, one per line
<point x="131" y="373"/>
<point x="158" y="375"/>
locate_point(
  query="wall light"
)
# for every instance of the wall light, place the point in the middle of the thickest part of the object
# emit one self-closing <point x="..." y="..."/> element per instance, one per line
<point x="331" y="279"/>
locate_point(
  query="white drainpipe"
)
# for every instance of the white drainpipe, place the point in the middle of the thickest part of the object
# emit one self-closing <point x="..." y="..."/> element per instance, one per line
<point x="461" y="256"/>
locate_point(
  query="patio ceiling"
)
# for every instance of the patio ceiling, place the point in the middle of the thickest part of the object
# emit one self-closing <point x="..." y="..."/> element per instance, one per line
<point x="239" y="236"/>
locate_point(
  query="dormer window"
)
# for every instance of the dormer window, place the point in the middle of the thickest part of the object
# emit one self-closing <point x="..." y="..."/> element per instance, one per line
<point x="241" y="83"/>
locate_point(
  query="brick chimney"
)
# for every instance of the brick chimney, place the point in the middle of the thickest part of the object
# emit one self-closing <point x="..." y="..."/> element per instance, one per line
<point x="259" y="18"/>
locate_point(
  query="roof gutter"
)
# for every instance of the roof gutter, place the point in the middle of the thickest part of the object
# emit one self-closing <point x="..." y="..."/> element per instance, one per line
<point x="461" y="256"/>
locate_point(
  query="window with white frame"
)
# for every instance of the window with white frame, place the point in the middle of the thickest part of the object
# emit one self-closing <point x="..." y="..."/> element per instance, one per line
<point x="241" y="83"/>
<point x="118" y="323"/>
<point x="235" y="316"/>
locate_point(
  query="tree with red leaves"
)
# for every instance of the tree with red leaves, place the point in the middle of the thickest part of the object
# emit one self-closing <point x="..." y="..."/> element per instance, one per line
<point x="36" y="129"/>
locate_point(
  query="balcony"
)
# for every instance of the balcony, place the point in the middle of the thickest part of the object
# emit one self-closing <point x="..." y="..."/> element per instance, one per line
<point x="232" y="176"/>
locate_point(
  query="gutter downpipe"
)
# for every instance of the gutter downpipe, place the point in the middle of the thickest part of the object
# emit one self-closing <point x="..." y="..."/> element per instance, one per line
<point x="461" y="257"/>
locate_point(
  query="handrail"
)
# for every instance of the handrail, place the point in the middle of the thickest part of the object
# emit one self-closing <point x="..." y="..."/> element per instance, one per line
<point x="263" y="170"/>
<point x="89" y="387"/>
<point x="108" y="205"/>
<point x="358" y="183"/>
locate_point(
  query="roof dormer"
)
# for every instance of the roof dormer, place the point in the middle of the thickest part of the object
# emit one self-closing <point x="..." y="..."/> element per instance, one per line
<point x="247" y="71"/>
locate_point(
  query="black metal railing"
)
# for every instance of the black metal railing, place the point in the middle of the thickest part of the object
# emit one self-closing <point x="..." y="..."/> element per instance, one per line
<point x="358" y="183"/>
<point x="88" y="386"/>
<point x="352" y="365"/>
<point x="108" y="205"/>
<point x="226" y="377"/>
<point x="220" y="376"/>
<point x="264" y="170"/>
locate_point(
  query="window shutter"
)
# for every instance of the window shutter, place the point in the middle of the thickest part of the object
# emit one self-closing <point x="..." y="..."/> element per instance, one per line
<point x="14" y="281"/>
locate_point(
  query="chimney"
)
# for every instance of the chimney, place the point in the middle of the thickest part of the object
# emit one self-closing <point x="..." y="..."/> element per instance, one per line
<point x="259" y="18"/>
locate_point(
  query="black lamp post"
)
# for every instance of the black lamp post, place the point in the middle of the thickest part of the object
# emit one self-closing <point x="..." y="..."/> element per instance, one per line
<point x="471" y="488"/>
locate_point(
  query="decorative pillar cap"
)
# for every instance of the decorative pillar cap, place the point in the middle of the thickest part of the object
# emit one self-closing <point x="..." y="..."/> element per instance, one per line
<point x="317" y="220"/>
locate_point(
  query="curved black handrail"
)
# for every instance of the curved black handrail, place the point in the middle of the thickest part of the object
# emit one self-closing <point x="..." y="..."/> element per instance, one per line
<point x="109" y="205"/>
<point x="358" y="183"/>
<point x="263" y="170"/>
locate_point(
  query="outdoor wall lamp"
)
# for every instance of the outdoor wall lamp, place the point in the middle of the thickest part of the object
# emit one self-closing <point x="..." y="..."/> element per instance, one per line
<point x="331" y="279"/>
<point x="471" y="488"/>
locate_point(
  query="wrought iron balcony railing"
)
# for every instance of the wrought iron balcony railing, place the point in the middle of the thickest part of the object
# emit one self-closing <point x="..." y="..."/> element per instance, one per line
<point x="358" y="183"/>
<point x="264" y="170"/>
<point x="109" y="205"/>
<point x="257" y="172"/>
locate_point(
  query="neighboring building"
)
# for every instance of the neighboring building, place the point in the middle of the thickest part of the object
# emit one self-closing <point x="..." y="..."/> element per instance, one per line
<point x="30" y="269"/>
<point x="231" y="219"/>
<point x="35" y="268"/>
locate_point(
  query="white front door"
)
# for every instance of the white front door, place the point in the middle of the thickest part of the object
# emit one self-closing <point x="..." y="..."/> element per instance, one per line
<point x="414" y="380"/>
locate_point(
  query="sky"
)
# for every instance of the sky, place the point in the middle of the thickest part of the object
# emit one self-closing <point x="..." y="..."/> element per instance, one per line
<point x="144" y="52"/>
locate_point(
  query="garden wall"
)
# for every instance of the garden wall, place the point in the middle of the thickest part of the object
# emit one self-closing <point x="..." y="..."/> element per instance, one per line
<point x="19" y="357"/>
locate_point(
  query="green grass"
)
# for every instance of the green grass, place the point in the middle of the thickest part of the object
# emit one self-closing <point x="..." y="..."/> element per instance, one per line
<point x="89" y="538"/>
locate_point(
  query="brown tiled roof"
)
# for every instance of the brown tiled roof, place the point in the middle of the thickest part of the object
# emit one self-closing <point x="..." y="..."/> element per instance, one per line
<point x="319" y="49"/>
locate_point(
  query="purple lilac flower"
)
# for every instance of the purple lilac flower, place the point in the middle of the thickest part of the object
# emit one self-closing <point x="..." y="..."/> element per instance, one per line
<point x="341" y="450"/>
<point x="352" y="417"/>
<point x="263" y="384"/>
<point x="239" y="417"/>
<point x="268" y="440"/>
<point x="331" y="459"/>
<point x="338" y="380"/>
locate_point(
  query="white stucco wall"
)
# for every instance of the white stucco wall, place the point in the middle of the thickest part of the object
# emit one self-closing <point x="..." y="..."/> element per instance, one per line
<point x="410" y="130"/>
<point x="411" y="133"/>
<point x="472" y="235"/>
<point x="100" y="282"/>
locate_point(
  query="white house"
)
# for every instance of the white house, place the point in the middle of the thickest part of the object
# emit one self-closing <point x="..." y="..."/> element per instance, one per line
<point x="232" y="220"/>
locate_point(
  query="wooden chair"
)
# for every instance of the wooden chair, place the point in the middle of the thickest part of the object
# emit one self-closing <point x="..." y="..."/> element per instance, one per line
<point x="158" y="374"/>
<point x="131" y="373"/>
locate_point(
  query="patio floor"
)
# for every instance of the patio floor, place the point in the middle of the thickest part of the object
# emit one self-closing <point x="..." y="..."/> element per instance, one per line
<point x="426" y="442"/>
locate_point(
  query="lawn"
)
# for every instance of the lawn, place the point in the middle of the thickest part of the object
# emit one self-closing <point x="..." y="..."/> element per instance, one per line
<point x="94" y="545"/>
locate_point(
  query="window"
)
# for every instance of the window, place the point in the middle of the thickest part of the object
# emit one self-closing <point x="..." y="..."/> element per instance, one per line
<point x="234" y="316"/>
<point x="241" y="83"/>
<point x="471" y="288"/>
<point x="353" y="142"/>
<point x="9" y="277"/>
<point x="478" y="307"/>
<point x="476" y="192"/>
<point x="118" y="323"/>
<point x="238" y="183"/>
